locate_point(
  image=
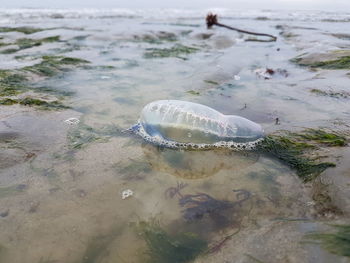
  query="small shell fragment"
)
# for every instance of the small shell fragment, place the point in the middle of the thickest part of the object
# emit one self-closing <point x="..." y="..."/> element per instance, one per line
<point x="72" y="121"/>
<point x="127" y="193"/>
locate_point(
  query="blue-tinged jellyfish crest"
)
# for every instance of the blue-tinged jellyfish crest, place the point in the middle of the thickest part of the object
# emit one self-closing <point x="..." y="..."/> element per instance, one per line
<point x="183" y="124"/>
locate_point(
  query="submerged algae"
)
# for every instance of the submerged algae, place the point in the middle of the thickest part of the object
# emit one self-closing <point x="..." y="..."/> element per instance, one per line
<point x="42" y="104"/>
<point x="52" y="65"/>
<point x="24" y="43"/>
<point x="212" y="82"/>
<point x="331" y="60"/>
<point x="323" y="137"/>
<point x="340" y="63"/>
<point x="11" y="83"/>
<point x="293" y="148"/>
<point x="333" y="94"/>
<point x="170" y="248"/>
<point x="336" y="243"/>
<point x="176" y="51"/>
<point x="8" y="102"/>
<point x="10" y="190"/>
<point x="58" y="92"/>
<point x="133" y="169"/>
<point x="82" y="135"/>
<point x="268" y="184"/>
<point x="4" y="44"/>
<point x="22" y="29"/>
<point x="193" y="92"/>
<point x="14" y="82"/>
<point x="46" y="105"/>
<point x="98" y="247"/>
<point x="155" y="37"/>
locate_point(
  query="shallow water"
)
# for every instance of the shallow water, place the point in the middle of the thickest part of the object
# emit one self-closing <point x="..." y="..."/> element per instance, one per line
<point x="61" y="184"/>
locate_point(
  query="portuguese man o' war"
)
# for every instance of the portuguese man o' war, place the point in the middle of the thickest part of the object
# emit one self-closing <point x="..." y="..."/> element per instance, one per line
<point x="183" y="124"/>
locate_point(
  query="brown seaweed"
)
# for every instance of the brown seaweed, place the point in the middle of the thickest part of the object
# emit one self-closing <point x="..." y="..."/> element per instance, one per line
<point x="212" y="20"/>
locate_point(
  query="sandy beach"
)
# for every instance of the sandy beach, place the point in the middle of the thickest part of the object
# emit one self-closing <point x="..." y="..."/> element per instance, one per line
<point x="72" y="81"/>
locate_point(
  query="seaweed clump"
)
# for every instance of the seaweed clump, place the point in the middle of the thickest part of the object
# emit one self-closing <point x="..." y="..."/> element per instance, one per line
<point x="155" y="37"/>
<point x="212" y="82"/>
<point x="170" y="248"/>
<point x="292" y="153"/>
<point x="193" y="92"/>
<point x="52" y="65"/>
<point x="11" y="83"/>
<point x="293" y="149"/>
<point x="23" y="29"/>
<point x="8" y="101"/>
<point x="340" y="63"/>
<point x="98" y="247"/>
<point x="333" y="94"/>
<point x="83" y="134"/>
<point x="24" y="43"/>
<point x="14" y="82"/>
<point x="323" y="137"/>
<point x="42" y="104"/>
<point x="57" y="92"/>
<point x="337" y="243"/>
<point x="11" y="190"/>
<point x="134" y="170"/>
<point x="177" y="51"/>
<point x="335" y="61"/>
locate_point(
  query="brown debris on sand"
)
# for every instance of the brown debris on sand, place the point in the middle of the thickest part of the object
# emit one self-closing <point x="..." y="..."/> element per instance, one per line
<point x="212" y="20"/>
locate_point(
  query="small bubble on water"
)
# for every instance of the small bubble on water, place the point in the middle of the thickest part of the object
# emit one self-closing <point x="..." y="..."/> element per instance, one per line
<point x="189" y="135"/>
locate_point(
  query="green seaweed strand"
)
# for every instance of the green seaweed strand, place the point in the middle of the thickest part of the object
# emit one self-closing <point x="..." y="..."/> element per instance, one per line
<point x="165" y="248"/>
<point x="337" y="243"/>
<point x="292" y="153"/>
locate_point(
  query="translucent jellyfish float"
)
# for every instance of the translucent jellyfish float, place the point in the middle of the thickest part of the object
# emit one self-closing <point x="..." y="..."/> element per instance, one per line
<point x="183" y="124"/>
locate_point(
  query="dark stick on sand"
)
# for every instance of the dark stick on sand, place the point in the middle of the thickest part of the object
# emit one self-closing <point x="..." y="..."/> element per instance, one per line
<point x="213" y="20"/>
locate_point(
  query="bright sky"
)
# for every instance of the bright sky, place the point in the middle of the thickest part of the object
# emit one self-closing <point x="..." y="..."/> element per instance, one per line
<point x="343" y="5"/>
